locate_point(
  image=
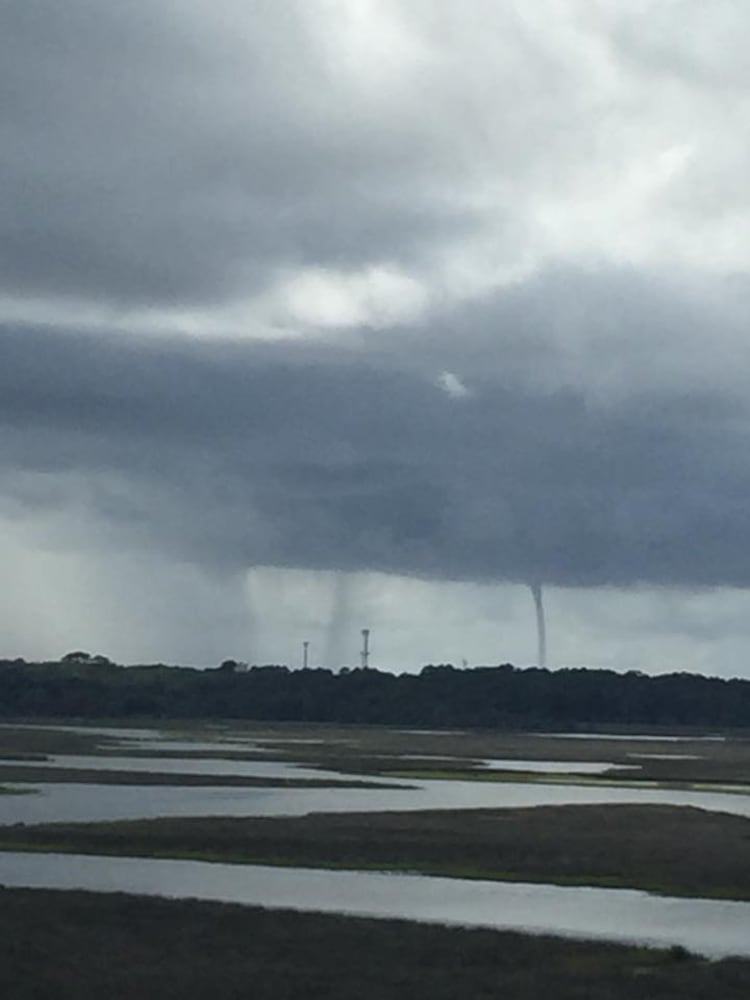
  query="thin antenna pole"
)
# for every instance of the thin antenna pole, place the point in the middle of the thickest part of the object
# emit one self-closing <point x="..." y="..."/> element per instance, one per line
<point x="305" y="651"/>
<point x="365" y="648"/>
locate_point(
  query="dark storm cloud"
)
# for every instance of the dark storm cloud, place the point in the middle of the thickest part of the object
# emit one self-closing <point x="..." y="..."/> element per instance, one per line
<point x="578" y="427"/>
<point x="150" y="155"/>
<point x="310" y="456"/>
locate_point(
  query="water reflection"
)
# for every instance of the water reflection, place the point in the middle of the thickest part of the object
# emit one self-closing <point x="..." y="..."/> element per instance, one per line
<point x="556" y="766"/>
<point x="287" y="769"/>
<point x="646" y="737"/>
<point x="713" y="928"/>
<point x="186" y="765"/>
<point x="70" y="802"/>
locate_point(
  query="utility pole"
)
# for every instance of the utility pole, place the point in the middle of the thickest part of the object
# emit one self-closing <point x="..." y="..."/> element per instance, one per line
<point x="365" y="654"/>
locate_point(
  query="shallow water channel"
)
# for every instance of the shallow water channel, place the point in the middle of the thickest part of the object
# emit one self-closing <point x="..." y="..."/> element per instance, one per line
<point x="52" y="802"/>
<point x="554" y="766"/>
<point x="708" y="927"/>
<point x="276" y="769"/>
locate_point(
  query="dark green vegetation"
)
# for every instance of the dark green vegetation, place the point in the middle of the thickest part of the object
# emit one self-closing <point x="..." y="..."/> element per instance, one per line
<point x="67" y="946"/>
<point x="675" y="850"/>
<point x="503" y="697"/>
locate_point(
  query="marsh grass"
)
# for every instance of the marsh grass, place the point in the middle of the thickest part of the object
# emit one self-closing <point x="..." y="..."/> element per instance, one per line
<point x="378" y="749"/>
<point x="666" y="849"/>
<point x="73" y="945"/>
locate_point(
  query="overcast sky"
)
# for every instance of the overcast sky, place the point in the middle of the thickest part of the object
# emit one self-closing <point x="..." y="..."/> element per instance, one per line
<point x="318" y="315"/>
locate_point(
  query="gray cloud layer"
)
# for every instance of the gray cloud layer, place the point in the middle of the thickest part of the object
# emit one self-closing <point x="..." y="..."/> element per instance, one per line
<point x="306" y="455"/>
<point x="151" y="156"/>
<point x="562" y="191"/>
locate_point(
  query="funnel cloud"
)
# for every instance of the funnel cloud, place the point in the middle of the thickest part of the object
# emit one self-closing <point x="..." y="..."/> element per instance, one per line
<point x="541" y="626"/>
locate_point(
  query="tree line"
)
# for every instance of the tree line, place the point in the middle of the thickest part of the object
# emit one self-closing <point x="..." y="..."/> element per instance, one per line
<point x="504" y="697"/>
